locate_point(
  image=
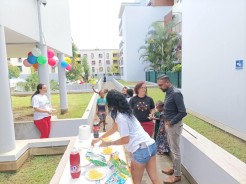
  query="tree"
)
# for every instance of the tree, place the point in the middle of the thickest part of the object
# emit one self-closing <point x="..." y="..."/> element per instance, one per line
<point x="31" y="82"/>
<point x="159" y="50"/>
<point x="76" y="72"/>
<point x="14" y="71"/>
<point x="115" y="68"/>
<point x="85" y="68"/>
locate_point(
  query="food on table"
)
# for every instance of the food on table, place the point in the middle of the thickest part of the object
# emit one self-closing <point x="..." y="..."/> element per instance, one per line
<point x="98" y="160"/>
<point x="107" y="150"/>
<point x="94" y="174"/>
<point x="116" y="178"/>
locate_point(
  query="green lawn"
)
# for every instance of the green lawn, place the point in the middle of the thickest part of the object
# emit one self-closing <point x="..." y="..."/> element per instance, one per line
<point x="230" y="143"/>
<point x="33" y="171"/>
<point x="77" y="104"/>
<point x="124" y="83"/>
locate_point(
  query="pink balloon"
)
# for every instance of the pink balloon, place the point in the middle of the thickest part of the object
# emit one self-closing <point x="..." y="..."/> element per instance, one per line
<point x="50" y="53"/>
<point x="29" y="53"/>
<point x="26" y="63"/>
<point x="51" y="61"/>
<point x="69" y="67"/>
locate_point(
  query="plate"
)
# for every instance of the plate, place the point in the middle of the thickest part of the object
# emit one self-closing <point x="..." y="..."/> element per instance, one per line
<point x="95" y="174"/>
<point x="107" y="150"/>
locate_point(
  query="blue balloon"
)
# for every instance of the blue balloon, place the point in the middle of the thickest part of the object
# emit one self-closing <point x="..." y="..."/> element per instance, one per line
<point x="64" y="64"/>
<point x="32" y="59"/>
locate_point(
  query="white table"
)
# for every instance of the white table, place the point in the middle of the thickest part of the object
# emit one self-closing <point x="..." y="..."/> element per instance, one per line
<point x="83" y="147"/>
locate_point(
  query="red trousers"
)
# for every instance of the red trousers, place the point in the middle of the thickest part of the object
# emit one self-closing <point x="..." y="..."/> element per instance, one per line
<point x="43" y="126"/>
<point x="148" y="127"/>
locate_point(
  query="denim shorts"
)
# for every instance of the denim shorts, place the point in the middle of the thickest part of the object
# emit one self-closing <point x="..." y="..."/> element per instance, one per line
<point x="143" y="154"/>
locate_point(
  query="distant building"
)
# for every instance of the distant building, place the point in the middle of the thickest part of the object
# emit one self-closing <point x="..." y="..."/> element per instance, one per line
<point x="100" y="61"/>
<point x="136" y="18"/>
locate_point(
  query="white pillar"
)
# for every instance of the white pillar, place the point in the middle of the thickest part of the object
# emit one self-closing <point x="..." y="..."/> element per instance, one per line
<point x="43" y="70"/>
<point x="7" y="133"/>
<point x="62" y="85"/>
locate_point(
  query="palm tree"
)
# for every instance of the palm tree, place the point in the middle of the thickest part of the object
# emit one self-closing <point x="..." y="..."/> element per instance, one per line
<point x="160" y="45"/>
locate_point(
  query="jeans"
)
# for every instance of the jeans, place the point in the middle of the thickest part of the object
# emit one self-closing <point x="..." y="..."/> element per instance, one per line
<point x="143" y="154"/>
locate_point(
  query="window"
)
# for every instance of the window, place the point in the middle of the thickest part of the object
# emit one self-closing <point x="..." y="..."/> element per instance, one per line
<point x="19" y="60"/>
<point x="108" y="69"/>
<point x="100" y="55"/>
<point x="100" y="63"/>
<point x="20" y="67"/>
<point x="93" y="62"/>
<point x="115" y="55"/>
<point x="93" y="69"/>
<point x="53" y="69"/>
<point x="92" y="56"/>
<point x="100" y="69"/>
<point x="107" y="55"/>
<point x="8" y="59"/>
<point x="108" y="62"/>
<point x="115" y="61"/>
<point x="79" y="55"/>
<point x="85" y="55"/>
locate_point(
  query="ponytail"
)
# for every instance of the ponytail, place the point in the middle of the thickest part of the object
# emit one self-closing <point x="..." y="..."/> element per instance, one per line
<point x="39" y="86"/>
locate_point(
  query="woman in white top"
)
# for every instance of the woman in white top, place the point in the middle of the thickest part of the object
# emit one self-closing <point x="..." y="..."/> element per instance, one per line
<point x="133" y="137"/>
<point x="42" y="110"/>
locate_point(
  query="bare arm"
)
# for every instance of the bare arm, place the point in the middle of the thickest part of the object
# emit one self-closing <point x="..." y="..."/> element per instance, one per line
<point x="121" y="141"/>
<point x="94" y="90"/>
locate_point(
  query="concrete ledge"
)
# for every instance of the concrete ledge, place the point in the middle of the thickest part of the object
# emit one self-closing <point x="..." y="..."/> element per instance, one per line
<point x="11" y="161"/>
<point x="219" y="125"/>
<point x="207" y="162"/>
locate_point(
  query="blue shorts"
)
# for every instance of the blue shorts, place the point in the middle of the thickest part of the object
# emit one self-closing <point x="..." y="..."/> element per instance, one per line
<point x="143" y="154"/>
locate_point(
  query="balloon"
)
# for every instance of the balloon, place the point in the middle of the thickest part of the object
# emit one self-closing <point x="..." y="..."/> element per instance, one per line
<point x="52" y="61"/>
<point x="50" y="53"/>
<point x="94" y="82"/>
<point x="55" y="58"/>
<point x="26" y="63"/>
<point x="36" y="52"/>
<point x="41" y="60"/>
<point x="35" y="66"/>
<point x="68" y="60"/>
<point x="32" y="59"/>
<point x="29" y="53"/>
<point x="64" y="64"/>
<point x="69" y="67"/>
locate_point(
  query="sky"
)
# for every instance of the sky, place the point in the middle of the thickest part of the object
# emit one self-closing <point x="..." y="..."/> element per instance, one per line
<point x="95" y="23"/>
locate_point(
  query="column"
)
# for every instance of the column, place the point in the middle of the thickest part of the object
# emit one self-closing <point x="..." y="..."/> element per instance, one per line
<point x="7" y="133"/>
<point x="43" y="70"/>
<point x="62" y="85"/>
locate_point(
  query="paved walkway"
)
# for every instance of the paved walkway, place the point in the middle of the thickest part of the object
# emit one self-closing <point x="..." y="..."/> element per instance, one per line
<point x="162" y="161"/>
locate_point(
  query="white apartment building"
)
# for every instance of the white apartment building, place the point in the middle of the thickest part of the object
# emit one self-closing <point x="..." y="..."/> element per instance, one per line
<point x="136" y="18"/>
<point x="213" y="63"/>
<point x="100" y="61"/>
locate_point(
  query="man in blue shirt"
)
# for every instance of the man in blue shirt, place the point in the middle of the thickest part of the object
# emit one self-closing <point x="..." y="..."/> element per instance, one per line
<point x="174" y="112"/>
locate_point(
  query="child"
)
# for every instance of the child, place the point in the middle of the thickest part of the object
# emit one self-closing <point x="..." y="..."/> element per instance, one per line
<point x="102" y="108"/>
<point x="129" y="93"/>
<point x="161" y="136"/>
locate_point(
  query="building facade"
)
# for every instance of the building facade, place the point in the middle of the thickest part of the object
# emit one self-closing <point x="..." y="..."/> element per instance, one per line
<point x="101" y="61"/>
<point x="136" y="19"/>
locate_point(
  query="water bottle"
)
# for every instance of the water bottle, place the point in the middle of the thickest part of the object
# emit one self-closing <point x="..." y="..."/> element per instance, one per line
<point x="96" y="129"/>
<point x="75" y="163"/>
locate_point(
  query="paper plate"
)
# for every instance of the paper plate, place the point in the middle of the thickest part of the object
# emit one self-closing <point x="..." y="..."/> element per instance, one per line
<point x="96" y="174"/>
<point x="107" y="150"/>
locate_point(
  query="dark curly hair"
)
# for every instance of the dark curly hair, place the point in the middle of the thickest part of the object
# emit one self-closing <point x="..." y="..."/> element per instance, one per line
<point x="119" y="103"/>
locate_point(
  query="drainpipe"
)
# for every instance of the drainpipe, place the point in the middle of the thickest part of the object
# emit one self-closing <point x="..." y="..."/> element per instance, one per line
<point x="7" y="133"/>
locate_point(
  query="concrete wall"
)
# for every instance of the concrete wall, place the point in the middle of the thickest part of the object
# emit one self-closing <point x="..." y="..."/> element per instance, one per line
<point x="136" y="21"/>
<point x="22" y="17"/>
<point x="214" y="37"/>
<point x="207" y="163"/>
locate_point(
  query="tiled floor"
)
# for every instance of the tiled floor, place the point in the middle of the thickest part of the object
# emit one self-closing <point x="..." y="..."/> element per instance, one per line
<point x="162" y="161"/>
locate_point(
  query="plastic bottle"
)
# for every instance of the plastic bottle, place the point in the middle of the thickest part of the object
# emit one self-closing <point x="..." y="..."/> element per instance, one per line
<point x="75" y="163"/>
<point x="96" y="129"/>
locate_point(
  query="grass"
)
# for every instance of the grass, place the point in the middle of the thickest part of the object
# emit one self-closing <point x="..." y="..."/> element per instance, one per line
<point x="124" y="83"/>
<point x="77" y="104"/>
<point x="228" y="142"/>
<point x="34" y="170"/>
